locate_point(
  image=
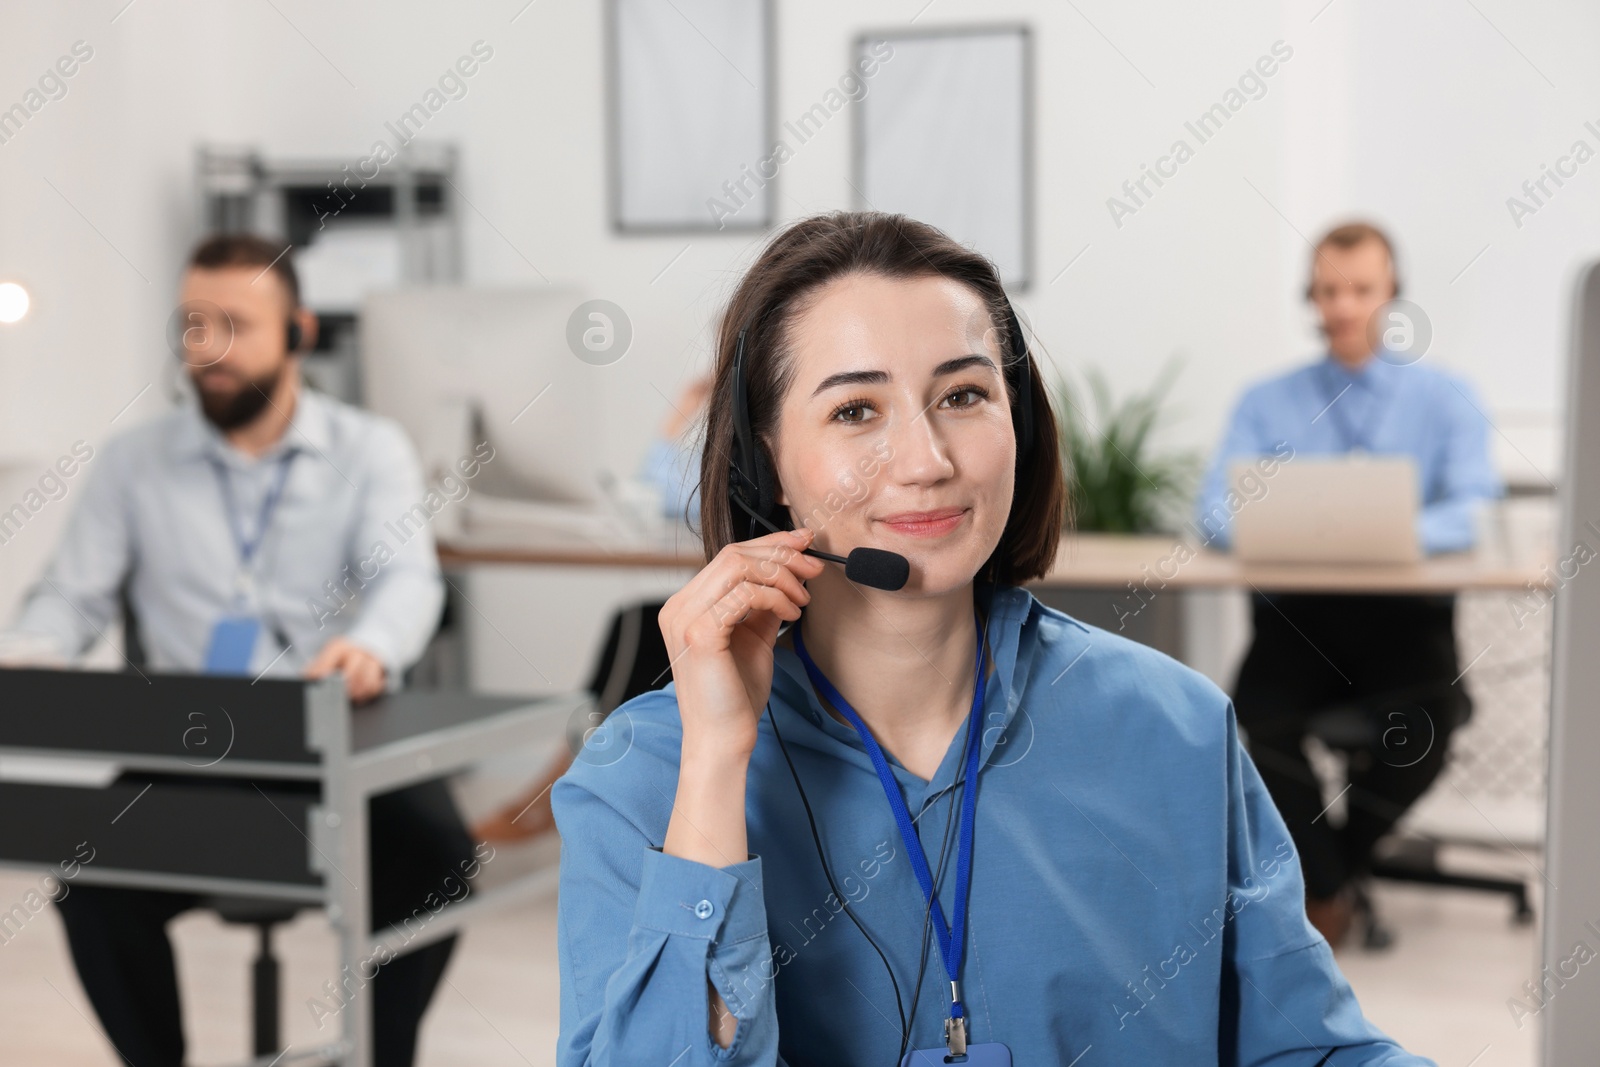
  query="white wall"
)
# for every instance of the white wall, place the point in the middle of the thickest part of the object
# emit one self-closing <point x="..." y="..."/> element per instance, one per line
<point x="1425" y="117"/>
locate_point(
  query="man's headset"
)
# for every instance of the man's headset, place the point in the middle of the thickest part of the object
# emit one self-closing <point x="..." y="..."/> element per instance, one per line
<point x="753" y="487"/>
<point x="293" y="337"/>
<point x="1394" y="272"/>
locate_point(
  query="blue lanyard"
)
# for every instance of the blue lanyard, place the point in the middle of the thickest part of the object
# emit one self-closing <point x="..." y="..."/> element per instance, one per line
<point x="247" y="546"/>
<point x="952" y="941"/>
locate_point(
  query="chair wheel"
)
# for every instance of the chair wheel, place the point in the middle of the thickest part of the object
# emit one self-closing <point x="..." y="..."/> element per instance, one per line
<point x="1377" y="937"/>
<point x="1523" y="916"/>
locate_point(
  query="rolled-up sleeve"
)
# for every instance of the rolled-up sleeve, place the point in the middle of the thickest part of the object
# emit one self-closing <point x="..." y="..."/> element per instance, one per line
<point x="1243" y="439"/>
<point x="1284" y="999"/>
<point x="75" y="600"/>
<point x="401" y="605"/>
<point x="640" y="934"/>
<point x="1466" y="477"/>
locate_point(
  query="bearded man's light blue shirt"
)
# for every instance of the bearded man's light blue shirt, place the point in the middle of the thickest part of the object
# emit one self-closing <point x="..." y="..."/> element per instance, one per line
<point x="1135" y="897"/>
<point x="1390" y="406"/>
<point x="349" y="549"/>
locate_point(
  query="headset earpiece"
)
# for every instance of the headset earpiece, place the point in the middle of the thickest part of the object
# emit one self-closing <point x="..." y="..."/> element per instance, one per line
<point x="751" y="480"/>
<point x="293" y="335"/>
<point x="1019" y="372"/>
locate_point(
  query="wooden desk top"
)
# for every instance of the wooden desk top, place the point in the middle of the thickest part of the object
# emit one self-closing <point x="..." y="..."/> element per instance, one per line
<point x="1099" y="560"/>
<point x="1106" y="561"/>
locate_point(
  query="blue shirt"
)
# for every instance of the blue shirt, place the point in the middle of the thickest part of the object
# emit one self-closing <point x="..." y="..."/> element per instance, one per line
<point x="1387" y="407"/>
<point x="349" y="549"/>
<point x="1134" y="889"/>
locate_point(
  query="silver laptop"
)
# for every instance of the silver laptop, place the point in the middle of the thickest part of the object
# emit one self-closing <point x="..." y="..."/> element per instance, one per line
<point x="1358" y="509"/>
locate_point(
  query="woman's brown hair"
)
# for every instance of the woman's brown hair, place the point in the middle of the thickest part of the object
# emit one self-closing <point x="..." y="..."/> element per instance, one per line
<point x="796" y="263"/>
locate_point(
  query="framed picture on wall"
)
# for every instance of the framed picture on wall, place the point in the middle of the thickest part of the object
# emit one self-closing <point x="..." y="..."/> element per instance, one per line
<point x="946" y="136"/>
<point x="690" y="114"/>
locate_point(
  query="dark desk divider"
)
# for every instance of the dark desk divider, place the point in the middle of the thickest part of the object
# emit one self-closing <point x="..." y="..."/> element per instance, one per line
<point x="200" y="720"/>
<point x="219" y="828"/>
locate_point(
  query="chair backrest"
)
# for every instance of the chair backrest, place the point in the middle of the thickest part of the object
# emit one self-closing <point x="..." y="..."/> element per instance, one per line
<point x="633" y="659"/>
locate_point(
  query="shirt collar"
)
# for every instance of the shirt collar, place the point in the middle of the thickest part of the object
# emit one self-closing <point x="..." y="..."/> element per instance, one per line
<point x="310" y="427"/>
<point x="1011" y="620"/>
<point x="1373" y="374"/>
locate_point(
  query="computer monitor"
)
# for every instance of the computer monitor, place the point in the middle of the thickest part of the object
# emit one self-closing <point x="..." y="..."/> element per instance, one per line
<point x="458" y="365"/>
<point x="1572" y="884"/>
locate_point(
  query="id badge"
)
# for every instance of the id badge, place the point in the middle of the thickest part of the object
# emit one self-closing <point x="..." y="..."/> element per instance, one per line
<point x="233" y="644"/>
<point x="988" y="1054"/>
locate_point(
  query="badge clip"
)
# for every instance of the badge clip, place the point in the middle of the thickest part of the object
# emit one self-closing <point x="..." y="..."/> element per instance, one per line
<point x="955" y="1035"/>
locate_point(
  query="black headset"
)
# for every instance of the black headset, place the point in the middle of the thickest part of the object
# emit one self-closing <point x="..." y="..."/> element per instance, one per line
<point x="752" y="485"/>
<point x="293" y="336"/>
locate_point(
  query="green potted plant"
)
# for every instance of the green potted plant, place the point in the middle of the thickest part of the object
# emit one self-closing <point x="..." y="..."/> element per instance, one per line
<point x="1117" y="480"/>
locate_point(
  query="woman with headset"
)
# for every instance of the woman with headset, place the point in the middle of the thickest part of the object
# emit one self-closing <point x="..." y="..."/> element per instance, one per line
<point x="901" y="812"/>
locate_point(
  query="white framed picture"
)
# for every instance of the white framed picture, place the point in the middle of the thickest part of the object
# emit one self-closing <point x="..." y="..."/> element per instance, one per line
<point x="690" y="100"/>
<point x="946" y="136"/>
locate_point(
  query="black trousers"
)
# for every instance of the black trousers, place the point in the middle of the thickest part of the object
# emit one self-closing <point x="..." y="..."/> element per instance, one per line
<point x="1394" y="658"/>
<point x="124" y="958"/>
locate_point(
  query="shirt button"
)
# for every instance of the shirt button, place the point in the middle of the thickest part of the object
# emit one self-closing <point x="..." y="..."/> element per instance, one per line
<point x="703" y="909"/>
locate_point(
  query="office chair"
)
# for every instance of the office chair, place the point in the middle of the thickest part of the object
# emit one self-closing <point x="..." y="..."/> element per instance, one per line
<point x="633" y="659"/>
<point x="262" y="913"/>
<point x="1356" y="730"/>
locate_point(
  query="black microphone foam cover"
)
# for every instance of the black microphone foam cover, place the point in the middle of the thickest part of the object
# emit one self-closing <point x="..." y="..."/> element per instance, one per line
<point x="876" y="568"/>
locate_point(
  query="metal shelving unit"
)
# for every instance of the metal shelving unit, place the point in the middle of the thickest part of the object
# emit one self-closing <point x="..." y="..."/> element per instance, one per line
<point x="303" y="201"/>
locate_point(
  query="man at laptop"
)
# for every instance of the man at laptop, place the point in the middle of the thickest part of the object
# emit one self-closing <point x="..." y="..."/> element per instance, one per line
<point x="245" y="529"/>
<point x="1394" y="655"/>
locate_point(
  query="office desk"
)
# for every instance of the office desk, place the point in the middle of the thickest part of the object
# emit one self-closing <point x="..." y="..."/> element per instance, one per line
<point x="1107" y="561"/>
<point x="220" y="785"/>
<point x="1131" y="585"/>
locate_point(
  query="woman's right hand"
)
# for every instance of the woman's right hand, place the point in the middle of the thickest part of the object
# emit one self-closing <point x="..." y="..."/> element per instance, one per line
<point x="720" y="629"/>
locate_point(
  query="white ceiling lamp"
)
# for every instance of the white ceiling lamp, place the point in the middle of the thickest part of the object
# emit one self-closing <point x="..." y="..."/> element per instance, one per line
<point x="13" y="302"/>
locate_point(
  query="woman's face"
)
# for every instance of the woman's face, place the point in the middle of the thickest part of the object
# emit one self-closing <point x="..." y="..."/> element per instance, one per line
<point x="896" y="430"/>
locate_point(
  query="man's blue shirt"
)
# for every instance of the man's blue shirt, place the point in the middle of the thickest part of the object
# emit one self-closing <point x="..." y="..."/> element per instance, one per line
<point x="1387" y="407"/>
